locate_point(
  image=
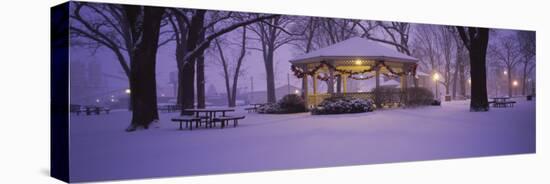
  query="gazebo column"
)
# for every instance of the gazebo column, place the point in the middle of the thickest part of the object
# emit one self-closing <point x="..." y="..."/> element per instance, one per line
<point x="345" y="82"/>
<point x="377" y="82"/>
<point x="404" y="79"/>
<point x="377" y="76"/>
<point x="330" y="80"/>
<point x="304" y="88"/>
<point x="403" y="82"/>
<point x="314" y="78"/>
<point x="339" y="84"/>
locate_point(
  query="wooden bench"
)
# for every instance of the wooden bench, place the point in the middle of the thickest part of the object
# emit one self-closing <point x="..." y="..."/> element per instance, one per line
<point x="225" y="120"/>
<point x="188" y="120"/>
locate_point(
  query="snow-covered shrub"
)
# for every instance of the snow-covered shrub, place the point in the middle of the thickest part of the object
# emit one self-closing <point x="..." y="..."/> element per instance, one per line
<point x="270" y="108"/>
<point x="386" y="95"/>
<point x="340" y="105"/>
<point x="288" y="104"/>
<point x="292" y="103"/>
<point x="418" y="96"/>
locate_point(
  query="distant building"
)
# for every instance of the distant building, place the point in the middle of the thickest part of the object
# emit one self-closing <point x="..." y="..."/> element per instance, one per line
<point x="280" y="92"/>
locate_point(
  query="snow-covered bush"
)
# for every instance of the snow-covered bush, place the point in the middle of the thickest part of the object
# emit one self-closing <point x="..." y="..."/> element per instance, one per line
<point x="288" y="104"/>
<point x="340" y="105"/>
<point x="386" y="95"/>
<point x="418" y="96"/>
<point x="292" y="103"/>
<point x="270" y="108"/>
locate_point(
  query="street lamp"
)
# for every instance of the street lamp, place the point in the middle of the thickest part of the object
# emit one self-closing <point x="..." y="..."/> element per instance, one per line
<point x="515" y="84"/>
<point x="358" y="62"/>
<point x="127" y="91"/>
<point x="436" y="78"/>
<point x="505" y="72"/>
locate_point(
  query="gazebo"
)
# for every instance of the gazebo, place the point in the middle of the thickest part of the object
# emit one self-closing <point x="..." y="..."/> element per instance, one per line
<point x="355" y="58"/>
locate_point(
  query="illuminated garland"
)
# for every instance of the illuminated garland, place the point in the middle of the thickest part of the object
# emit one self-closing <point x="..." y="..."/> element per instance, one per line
<point x="326" y="77"/>
<point x="300" y="73"/>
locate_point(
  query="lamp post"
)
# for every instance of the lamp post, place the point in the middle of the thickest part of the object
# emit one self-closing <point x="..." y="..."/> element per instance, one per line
<point x="515" y="84"/>
<point x="436" y="79"/>
<point x="128" y="92"/>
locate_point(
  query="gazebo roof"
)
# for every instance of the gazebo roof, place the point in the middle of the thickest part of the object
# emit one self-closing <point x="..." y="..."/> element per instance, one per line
<point x="354" y="48"/>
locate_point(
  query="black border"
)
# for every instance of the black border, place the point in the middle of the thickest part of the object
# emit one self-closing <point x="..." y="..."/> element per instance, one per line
<point x="59" y="105"/>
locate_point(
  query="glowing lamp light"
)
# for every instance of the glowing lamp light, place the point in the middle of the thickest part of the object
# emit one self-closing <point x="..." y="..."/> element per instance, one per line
<point x="297" y="91"/>
<point x="358" y="62"/>
<point x="505" y="72"/>
<point x="112" y="100"/>
<point x="127" y="91"/>
<point x="469" y="81"/>
<point x="97" y="100"/>
<point x="436" y="76"/>
<point x="515" y="83"/>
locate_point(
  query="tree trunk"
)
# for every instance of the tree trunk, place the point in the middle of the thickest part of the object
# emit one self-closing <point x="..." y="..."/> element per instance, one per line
<point x="143" y="81"/>
<point x="478" y="52"/>
<point x="201" y="100"/>
<point x="187" y="80"/>
<point x="187" y="84"/>
<point x="238" y="68"/>
<point x="462" y="78"/>
<point x="201" y="92"/>
<point x="455" y="77"/>
<point x="270" y="77"/>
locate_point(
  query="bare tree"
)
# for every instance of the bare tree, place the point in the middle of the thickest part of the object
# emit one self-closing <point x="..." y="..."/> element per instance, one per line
<point x="231" y="89"/>
<point x="398" y="33"/>
<point x="143" y="80"/>
<point x="476" y="41"/>
<point x="527" y="42"/>
<point x="272" y="34"/>
<point x="446" y="42"/>
<point x="427" y="47"/>
<point x="459" y="76"/>
<point x="196" y="41"/>
<point x="305" y="30"/>
<point x="507" y="53"/>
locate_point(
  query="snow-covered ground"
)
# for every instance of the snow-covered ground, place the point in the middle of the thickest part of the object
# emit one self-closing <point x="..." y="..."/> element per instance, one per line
<point x="101" y="150"/>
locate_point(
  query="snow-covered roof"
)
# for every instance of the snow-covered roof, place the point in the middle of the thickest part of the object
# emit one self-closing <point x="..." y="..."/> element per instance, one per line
<point x="354" y="48"/>
<point x="390" y="83"/>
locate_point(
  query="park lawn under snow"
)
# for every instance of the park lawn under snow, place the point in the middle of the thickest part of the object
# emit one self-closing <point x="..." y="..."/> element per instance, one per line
<point x="101" y="150"/>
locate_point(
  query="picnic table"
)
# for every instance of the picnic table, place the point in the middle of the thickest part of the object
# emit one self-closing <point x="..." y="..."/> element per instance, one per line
<point x="502" y="102"/>
<point x="89" y="110"/>
<point x="209" y="114"/>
